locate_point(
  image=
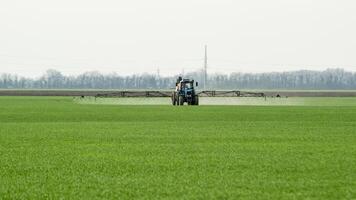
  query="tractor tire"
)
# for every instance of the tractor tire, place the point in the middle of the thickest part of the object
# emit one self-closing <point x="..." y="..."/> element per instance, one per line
<point x="180" y="100"/>
<point x="196" y="100"/>
<point x="174" y="99"/>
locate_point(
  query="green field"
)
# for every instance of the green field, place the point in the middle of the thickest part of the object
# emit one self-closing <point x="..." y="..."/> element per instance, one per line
<point x="60" y="148"/>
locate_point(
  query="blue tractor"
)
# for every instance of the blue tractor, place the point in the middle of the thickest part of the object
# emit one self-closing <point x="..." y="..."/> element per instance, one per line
<point x="185" y="92"/>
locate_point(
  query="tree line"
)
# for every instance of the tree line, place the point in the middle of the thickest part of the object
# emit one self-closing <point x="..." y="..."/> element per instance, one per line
<point x="303" y="79"/>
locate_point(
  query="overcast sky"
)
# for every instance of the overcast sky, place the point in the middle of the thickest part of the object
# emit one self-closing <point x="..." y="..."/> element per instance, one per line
<point x="135" y="36"/>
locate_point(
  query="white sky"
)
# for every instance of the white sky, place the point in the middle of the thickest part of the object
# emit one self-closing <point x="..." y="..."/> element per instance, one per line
<point x="135" y="36"/>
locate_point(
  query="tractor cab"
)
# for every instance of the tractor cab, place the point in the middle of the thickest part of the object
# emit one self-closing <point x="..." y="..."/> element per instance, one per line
<point x="183" y="84"/>
<point x="187" y="85"/>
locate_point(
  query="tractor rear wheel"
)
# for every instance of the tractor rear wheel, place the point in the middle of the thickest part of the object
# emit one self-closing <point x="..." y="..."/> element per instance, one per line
<point x="196" y="100"/>
<point x="174" y="99"/>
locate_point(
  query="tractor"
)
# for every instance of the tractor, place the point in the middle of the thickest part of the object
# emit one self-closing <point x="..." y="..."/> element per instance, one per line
<point x="185" y="92"/>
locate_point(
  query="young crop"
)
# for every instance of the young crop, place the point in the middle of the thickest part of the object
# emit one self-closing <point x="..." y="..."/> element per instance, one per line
<point x="55" y="148"/>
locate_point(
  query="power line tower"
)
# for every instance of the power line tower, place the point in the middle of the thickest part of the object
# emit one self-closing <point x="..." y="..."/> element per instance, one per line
<point x="158" y="78"/>
<point x="205" y="66"/>
<point x="158" y="73"/>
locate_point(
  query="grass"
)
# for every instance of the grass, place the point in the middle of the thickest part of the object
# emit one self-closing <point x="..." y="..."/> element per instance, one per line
<point x="54" y="147"/>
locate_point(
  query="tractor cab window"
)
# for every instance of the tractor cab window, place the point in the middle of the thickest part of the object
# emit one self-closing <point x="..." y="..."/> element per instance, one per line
<point x="188" y="85"/>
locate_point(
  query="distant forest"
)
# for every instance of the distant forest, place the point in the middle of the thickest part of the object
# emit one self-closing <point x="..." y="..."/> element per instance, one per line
<point x="303" y="79"/>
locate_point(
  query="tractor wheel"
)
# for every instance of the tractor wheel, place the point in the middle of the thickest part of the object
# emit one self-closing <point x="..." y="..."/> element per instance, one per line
<point x="196" y="100"/>
<point x="174" y="100"/>
<point x="180" y="101"/>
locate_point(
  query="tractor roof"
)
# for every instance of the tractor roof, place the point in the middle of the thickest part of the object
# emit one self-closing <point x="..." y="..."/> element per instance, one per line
<point x="186" y="80"/>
